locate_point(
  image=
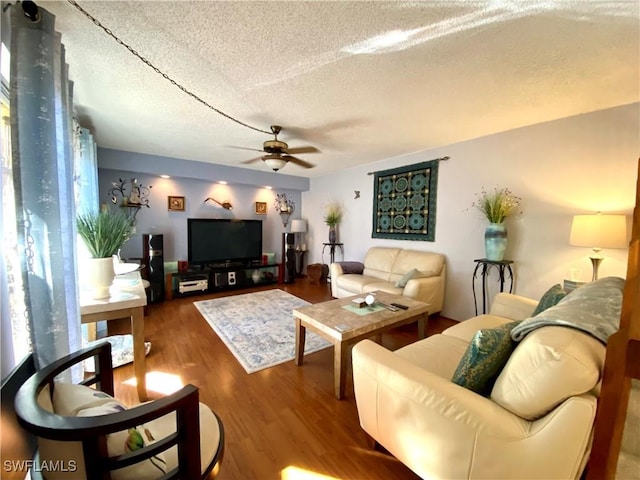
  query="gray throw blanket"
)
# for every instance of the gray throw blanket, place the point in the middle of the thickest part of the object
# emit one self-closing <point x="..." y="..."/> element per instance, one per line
<point x="593" y="308"/>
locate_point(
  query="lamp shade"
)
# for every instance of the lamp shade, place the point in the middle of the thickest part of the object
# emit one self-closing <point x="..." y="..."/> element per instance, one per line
<point x="298" y="226"/>
<point x="599" y="231"/>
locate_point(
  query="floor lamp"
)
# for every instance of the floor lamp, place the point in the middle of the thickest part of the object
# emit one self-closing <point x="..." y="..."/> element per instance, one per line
<point x="598" y="231"/>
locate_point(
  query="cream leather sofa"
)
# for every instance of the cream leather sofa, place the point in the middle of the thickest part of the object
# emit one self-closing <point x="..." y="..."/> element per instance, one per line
<point x="536" y="423"/>
<point x="383" y="267"/>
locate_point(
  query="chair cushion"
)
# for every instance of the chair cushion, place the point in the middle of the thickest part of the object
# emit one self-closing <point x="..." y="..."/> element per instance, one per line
<point x="354" y="283"/>
<point x="81" y="401"/>
<point x="426" y="263"/>
<point x="439" y="354"/>
<point x="484" y="358"/>
<point x="75" y="397"/>
<point x="382" y="286"/>
<point x="549" y="299"/>
<point x="550" y="365"/>
<point x="210" y="436"/>
<point x="467" y="329"/>
<point x="378" y="262"/>
<point x="44" y="399"/>
<point x="69" y="399"/>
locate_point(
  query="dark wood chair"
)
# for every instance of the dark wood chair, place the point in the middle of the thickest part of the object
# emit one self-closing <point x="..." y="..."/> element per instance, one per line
<point x="622" y="364"/>
<point x="193" y="459"/>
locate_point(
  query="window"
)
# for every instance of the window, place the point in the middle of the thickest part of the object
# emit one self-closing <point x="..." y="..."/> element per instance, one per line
<point x="14" y="320"/>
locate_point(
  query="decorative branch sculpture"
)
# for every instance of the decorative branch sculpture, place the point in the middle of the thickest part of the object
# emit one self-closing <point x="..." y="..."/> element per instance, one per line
<point x="226" y="205"/>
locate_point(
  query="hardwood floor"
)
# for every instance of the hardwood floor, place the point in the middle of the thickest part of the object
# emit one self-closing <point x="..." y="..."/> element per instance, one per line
<point x="280" y="423"/>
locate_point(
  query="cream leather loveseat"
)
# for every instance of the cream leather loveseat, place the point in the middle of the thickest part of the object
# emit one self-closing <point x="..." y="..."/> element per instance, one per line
<point x="536" y="423"/>
<point x="383" y="268"/>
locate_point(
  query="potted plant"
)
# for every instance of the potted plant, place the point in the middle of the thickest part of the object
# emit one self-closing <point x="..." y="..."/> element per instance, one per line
<point x="103" y="234"/>
<point x="496" y="206"/>
<point x="332" y="217"/>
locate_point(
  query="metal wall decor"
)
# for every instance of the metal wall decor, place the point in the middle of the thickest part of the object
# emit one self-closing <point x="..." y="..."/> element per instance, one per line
<point x="284" y="206"/>
<point x="131" y="196"/>
<point x="404" y="202"/>
<point x="130" y="193"/>
<point x="226" y="204"/>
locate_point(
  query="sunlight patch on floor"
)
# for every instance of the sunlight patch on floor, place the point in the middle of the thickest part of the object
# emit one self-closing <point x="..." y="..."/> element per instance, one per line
<point x="160" y="382"/>
<point x="297" y="473"/>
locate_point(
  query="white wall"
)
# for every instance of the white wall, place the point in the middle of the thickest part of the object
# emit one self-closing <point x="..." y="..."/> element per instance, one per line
<point x="580" y="164"/>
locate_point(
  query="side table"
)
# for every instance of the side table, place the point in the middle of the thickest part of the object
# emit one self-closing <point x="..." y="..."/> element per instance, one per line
<point x="502" y="266"/>
<point x="332" y="250"/>
<point x="127" y="300"/>
<point x="332" y="253"/>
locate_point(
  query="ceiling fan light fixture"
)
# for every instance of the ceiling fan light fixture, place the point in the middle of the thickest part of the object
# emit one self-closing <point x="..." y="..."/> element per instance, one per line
<point x="278" y="153"/>
<point x="274" y="162"/>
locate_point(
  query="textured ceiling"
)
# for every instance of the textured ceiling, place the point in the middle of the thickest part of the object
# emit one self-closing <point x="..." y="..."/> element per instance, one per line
<point x="361" y="81"/>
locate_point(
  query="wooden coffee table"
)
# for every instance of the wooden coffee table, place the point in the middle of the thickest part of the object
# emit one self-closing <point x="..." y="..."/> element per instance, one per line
<point x="346" y="326"/>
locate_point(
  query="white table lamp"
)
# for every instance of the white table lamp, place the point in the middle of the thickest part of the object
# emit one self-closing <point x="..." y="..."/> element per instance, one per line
<point x="598" y="231"/>
<point x="299" y="228"/>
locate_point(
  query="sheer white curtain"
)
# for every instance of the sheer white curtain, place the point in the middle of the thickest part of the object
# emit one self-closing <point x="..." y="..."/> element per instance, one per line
<point x="43" y="180"/>
<point x="86" y="170"/>
<point x="15" y="333"/>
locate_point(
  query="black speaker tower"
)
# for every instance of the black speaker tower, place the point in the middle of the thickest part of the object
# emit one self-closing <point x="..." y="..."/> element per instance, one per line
<point x="289" y="256"/>
<point x="153" y="259"/>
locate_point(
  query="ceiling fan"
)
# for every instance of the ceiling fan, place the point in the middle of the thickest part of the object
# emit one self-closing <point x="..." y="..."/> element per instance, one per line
<point x="278" y="153"/>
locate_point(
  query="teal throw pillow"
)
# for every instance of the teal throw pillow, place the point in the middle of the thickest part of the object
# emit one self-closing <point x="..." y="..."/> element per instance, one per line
<point x="406" y="277"/>
<point x="549" y="299"/>
<point x="486" y="355"/>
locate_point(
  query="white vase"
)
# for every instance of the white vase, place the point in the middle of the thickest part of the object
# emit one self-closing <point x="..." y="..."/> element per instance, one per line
<point x="495" y="241"/>
<point x="100" y="276"/>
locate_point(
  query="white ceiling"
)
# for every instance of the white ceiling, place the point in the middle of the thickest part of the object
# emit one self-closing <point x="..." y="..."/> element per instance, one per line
<point x="461" y="69"/>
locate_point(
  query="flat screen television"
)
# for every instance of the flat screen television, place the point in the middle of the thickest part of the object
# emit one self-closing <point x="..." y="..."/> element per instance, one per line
<point x="213" y="241"/>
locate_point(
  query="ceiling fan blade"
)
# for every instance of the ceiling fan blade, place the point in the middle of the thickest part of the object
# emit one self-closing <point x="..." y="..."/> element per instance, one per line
<point x="298" y="161"/>
<point x="251" y="160"/>
<point x="245" y="148"/>
<point x="307" y="149"/>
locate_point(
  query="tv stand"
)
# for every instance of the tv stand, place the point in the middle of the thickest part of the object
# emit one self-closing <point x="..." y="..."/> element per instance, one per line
<point x="231" y="265"/>
<point x="220" y="278"/>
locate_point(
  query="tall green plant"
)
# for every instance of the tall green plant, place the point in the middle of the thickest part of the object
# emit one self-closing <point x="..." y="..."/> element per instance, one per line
<point x="104" y="233"/>
<point x="497" y="205"/>
<point x="333" y="215"/>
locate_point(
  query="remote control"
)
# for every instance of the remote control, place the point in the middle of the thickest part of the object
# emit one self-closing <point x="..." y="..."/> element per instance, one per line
<point x="399" y="305"/>
<point x="388" y="307"/>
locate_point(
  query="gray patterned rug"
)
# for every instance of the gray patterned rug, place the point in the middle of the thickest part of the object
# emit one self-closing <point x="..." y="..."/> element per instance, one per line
<point x="258" y="327"/>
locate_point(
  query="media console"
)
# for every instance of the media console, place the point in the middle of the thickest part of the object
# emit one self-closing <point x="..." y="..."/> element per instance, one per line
<point x="220" y="278"/>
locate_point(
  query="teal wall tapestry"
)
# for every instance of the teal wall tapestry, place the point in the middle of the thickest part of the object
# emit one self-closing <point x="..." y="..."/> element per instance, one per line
<point x="404" y="202"/>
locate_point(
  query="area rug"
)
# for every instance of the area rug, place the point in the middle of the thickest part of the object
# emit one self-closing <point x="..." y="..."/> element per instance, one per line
<point x="258" y="328"/>
<point x="121" y="350"/>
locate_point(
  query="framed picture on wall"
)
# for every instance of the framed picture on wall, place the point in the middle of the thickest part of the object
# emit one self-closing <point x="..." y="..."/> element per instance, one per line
<point x="261" y="208"/>
<point x="176" y="203"/>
